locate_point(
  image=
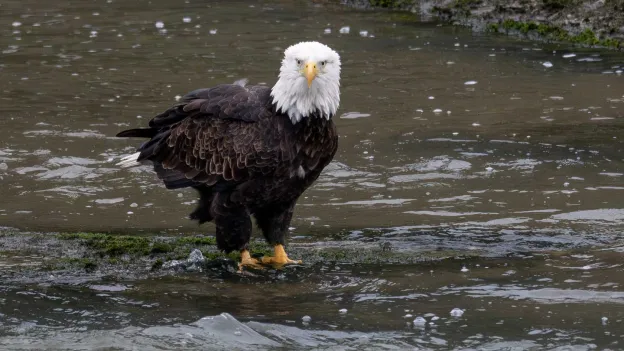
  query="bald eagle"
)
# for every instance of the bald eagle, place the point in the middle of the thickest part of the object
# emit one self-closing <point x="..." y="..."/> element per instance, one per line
<point x="249" y="150"/>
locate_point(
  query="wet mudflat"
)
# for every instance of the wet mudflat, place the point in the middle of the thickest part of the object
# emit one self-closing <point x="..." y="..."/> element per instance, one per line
<point x="484" y="173"/>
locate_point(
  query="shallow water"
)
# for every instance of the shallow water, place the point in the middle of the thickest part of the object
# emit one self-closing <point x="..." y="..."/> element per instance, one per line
<point x="569" y="302"/>
<point x="449" y="141"/>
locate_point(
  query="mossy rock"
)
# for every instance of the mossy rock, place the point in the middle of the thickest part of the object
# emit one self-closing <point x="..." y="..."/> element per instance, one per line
<point x="161" y="248"/>
<point x="391" y="4"/>
<point x="111" y="245"/>
<point x="86" y="264"/>
<point x="467" y="5"/>
<point x="554" y="5"/>
<point x="586" y="37"/>
<point x="196" y="240"/>
<point x="157" y="264"/>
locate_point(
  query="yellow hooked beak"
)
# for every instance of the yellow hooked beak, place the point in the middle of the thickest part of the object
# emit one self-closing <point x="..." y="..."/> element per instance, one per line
<point x="310" y="72"/>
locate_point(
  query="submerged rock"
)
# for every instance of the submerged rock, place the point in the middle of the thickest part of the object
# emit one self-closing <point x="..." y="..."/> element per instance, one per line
<point x="457" y="312"/>
<point x="194" y="263"/>
<point x="172" y="264"/>
<point x="419" y="322"/>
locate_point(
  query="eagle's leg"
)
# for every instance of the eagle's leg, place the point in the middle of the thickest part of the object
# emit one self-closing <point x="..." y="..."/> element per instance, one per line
<point x="274" y="222"/>
<point x="233" y="233"/>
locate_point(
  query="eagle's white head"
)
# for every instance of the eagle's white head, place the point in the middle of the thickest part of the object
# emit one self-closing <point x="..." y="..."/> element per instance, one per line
<point x="309" y="81"/>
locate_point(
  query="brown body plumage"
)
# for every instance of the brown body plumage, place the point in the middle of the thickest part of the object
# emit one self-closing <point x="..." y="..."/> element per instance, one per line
<point x="244" y="157"/>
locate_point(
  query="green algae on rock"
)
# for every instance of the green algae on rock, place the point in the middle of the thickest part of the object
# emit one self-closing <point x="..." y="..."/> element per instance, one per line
<point x="92" y="255"/>
<point x="554" y="33"/>
<point x="580" y="22"/>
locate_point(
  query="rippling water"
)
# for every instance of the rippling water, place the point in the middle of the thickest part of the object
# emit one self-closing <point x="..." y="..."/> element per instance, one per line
<point x="437" y="126"/>
<point x="573" y="301"/>
<point x="448" y="141"/>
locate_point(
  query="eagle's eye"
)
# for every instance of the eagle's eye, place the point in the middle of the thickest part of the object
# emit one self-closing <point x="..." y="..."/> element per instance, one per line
<point x="298" y="61"/>
<point x="323" y="63"/>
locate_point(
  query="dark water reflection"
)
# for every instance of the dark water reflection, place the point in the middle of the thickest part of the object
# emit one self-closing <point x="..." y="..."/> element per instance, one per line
<point x="448" y="141"/>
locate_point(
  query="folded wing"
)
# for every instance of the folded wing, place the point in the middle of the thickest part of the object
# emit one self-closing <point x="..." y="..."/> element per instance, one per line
<point x="221" y="135"/>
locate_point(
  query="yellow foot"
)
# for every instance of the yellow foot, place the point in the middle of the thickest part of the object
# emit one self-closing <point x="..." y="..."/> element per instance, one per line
<point x="280" y="257"/>
<point x="248" y="261"/>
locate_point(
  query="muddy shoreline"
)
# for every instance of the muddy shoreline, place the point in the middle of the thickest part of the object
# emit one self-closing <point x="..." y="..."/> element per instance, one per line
<point x="584" y="23"/>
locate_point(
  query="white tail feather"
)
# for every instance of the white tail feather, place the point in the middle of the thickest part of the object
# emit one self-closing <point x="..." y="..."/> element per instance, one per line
<point x="242" y="82"/>
<point x="129" y="160"/>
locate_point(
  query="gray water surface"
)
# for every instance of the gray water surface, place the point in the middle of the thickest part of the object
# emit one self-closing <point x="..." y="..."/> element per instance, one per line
<point x="448" y="141"/>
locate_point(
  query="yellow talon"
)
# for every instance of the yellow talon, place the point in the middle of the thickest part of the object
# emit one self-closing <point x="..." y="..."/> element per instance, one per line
<point x="280" y="258"/>
<point x="248" y="261"/>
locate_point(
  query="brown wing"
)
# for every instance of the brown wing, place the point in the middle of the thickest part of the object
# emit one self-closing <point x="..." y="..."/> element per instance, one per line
<point x="211" y="150"/>
<point x="226" y="101"/>
<point x="225" y="134"/>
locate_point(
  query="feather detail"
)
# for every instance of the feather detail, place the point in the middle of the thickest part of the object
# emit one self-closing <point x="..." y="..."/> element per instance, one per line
<point x="291" y="93"/>
<point x="129" y="160"/>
